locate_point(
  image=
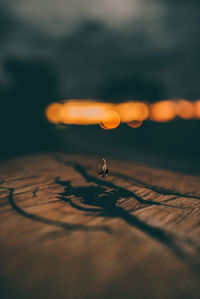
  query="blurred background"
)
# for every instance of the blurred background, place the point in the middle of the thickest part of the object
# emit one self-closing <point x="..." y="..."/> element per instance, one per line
<point x="111" y="50"/>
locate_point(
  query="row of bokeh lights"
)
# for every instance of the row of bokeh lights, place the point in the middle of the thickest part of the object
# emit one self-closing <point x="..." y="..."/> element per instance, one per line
<point x="110" y="115"/>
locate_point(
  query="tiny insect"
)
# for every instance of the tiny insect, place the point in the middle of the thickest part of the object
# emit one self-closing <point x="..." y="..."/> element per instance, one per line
<point x="103" y="169"/>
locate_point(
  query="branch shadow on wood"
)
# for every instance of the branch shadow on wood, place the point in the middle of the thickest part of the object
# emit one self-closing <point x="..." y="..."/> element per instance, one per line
<point x="156" y="189"/>
<point x="101" y="199"/>
<point x="60" y="224"/>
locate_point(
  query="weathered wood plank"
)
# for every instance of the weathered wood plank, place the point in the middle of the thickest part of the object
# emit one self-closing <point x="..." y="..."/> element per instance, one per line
<point x="67" y="233"/>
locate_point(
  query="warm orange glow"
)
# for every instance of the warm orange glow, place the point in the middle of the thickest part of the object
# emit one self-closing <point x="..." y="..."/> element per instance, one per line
<point x="83" y="112"/>
<point x="197" y="109"/>
<point x="111" y="119"/>
<point x="184" y="109"/>
<point x="103" y="127"/>
<point x="53" y="112"/>
<point x="135" y="123"/>
<point x="132" y="111"/>
<point x="109" y="115"/>
<point x="162" y="111"/>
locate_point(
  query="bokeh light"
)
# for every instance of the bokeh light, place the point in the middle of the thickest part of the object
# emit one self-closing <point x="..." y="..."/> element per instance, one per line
<point x="132" y="111"/>
<point x="53" y="112"/>
<point x="83" y="112"/>
<point x="103" y="127"/>
<point x="163" y="111"/>
<point x="109" y="115"/>
<point x="184" y="109"/>
<point x="197" y="109"/>
<point x="135" y="123"/>
<point x="111" y="119"/>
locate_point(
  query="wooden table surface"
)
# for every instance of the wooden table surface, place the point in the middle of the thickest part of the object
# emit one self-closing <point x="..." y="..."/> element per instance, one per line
<point x="66" y="233"/>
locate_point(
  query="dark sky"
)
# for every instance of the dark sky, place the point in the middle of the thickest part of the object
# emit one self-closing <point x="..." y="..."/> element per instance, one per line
<point x="107" y="48"/>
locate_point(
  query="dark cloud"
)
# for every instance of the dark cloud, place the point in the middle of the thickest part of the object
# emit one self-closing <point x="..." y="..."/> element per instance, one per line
<point x="141" y="55"/>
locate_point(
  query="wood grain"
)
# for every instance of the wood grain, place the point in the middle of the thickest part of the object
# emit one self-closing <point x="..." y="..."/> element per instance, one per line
<point x="66" y="233"/>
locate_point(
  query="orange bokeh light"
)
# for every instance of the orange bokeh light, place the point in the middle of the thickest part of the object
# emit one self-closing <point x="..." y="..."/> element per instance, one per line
<point x="53" y="113"/>
<point x="109" y="115"/>
<point x="111" y="119"/>
<point x="135" y="123"/>
<point x="83" y="112"/>
<point x="132" y="111"/>
<point x="103" y="127"/>
<point x="184" y="109"/>
<point x="162" y="111"/>
<point x="197" y="109"/>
